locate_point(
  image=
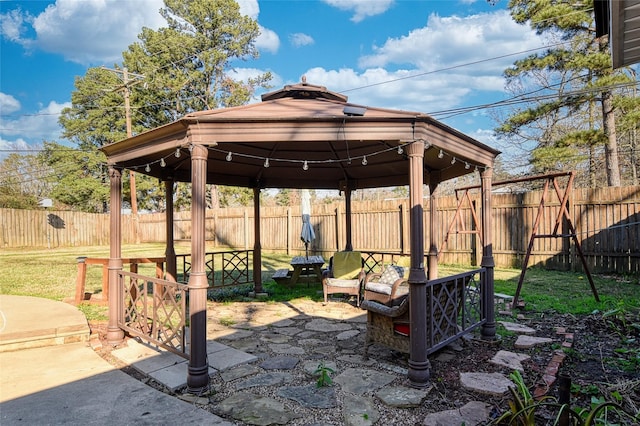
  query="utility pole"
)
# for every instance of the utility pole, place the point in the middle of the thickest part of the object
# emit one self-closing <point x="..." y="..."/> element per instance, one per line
<point x="127" y="115"/>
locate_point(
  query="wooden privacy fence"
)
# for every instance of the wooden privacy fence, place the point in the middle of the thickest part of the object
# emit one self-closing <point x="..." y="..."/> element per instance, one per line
<point x="607" y="222"/>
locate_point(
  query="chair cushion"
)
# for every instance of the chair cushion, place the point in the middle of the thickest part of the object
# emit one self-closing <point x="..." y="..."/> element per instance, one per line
<point x="391" y="274"/>
<point x="337" y="282"/>
<point x="405" y="262"/>
<point x="347" y="264"/>
<point x="378" y="288"/>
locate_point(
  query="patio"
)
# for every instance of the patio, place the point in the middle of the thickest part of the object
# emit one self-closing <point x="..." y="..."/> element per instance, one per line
<point x="283" y="344"/>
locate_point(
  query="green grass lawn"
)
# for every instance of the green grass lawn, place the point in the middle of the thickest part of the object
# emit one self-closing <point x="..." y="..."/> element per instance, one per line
<point x="52" y="274"/>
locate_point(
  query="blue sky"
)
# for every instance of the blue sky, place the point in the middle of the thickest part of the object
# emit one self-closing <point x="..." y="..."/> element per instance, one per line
<point x="428" y="56"/>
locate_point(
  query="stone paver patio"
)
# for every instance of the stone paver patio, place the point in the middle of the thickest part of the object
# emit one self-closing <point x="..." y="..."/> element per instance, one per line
<point x="264" y="356"/>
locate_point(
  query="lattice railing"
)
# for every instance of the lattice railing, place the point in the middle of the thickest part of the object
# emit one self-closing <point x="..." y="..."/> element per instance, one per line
<point x="154" y="310"/>
<point x="455" y="302"/>
<point x="223" y="268"/>
<point x="375" y="261"/>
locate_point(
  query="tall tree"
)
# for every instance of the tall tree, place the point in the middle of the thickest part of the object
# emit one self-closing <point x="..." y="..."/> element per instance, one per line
<point x="572" y="117"/>
<point x="23" y="181"/>
<point x="80" y="177"/>
<point x="184" y="67"/>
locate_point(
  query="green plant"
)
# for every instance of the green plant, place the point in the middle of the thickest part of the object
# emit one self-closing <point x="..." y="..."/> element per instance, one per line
<point x="522" y="408"/>
<point x="585" y="390"/>
<point x="601" y="412"/>
<point x="226" y="321"/>
<point x="324" y="375"/>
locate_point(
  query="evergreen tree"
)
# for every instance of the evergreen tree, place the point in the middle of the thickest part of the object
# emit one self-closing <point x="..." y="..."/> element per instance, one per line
<point x="182" y="68"/>
<point x="576" y="95"/>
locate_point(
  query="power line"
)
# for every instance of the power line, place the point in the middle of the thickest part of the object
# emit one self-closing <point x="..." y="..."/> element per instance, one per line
<point x="481" y="61"/>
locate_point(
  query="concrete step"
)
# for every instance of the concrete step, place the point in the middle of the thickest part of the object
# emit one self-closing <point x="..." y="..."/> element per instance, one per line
<point x="31" y="322"/>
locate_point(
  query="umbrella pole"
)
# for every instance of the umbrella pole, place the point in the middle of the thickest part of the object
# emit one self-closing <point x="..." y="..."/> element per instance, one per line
<point x="306" y="268"/>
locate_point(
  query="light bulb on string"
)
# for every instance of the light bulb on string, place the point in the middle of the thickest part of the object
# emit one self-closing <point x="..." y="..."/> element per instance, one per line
<point x="364" y="160"/>
<point x="453" y="160"/>
<point x="440" y="154"/>
<point x="266" y="163"/>
<point x="177" y="152"/>
<point x="400" y="150"/>
<point x="162" y="163"/>
<point x="229" y="157"/>
<point x="466" y="166"/>
<point x="147" y="168"/>
<point x="476" y="169"/>
<point x="305" y="166"/>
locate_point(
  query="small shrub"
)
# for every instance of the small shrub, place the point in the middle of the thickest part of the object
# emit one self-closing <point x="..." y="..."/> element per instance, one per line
<point x="324" y="375"/>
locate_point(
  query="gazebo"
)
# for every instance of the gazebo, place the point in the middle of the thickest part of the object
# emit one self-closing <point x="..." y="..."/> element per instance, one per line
<point x="301" y="136"/>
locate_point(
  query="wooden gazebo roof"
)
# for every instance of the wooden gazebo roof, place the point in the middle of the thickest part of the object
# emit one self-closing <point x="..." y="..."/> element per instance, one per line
<point x="301" y="136"/>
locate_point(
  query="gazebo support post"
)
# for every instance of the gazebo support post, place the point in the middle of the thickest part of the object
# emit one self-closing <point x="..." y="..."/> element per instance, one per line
<point x="170" y="250"/>
<point x="198" y="371"/>
<point x="419" y="366"/>
<point x="257" y="247"/>
<point x="434" y="181"/>
<point x="347" y="202"/>
<point x="115" y="335"/>
<point x="488" y="329"/>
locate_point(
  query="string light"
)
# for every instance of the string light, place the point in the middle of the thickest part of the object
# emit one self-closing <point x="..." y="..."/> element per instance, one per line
<point x="306" y="163"/>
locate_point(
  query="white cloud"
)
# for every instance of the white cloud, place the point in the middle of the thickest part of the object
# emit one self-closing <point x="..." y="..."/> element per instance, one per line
<point x="86" y="32"/>
<point x="391" y="89"/>
<point x="362" y="8"/>
<point x="452" y="41"/>
<point x="300" y="39"/>
<point x="429" y="69"/>
<point x="8" y="104"/>
<point x="6" y="146"/>
<point x="441" y="66"/>
<point x="14" y="24"/>
<point x="249" y="8"/>
<point x="94" y="31"/>
<point x="36" y="127"/>
<point x="268" y="40"/>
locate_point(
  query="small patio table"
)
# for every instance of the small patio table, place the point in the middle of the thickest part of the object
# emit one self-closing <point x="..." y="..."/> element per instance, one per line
<point x="303" y="262"/>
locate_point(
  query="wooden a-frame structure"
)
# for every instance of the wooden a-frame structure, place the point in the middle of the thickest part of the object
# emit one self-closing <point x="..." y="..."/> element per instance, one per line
<point x="550" y="179"/>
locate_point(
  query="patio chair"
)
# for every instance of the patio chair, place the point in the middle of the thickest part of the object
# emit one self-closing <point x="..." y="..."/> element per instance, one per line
<point x="345" y="275"/>
<point x="386" y="286"/>
<point x="390" y="326"/>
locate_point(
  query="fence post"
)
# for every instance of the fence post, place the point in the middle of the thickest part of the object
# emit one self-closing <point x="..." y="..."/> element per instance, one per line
<point x="338" y="227"/>
<point x="289" y="229"/>
<point x="246" y="229"/>
<point x="81" y="279"/>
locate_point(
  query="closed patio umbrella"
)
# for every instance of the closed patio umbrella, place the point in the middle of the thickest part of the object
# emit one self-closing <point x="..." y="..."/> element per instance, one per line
<point x="307" y="234"/>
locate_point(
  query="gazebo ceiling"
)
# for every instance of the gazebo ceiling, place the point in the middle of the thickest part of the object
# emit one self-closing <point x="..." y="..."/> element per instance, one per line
<point x="302" y="136"/>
